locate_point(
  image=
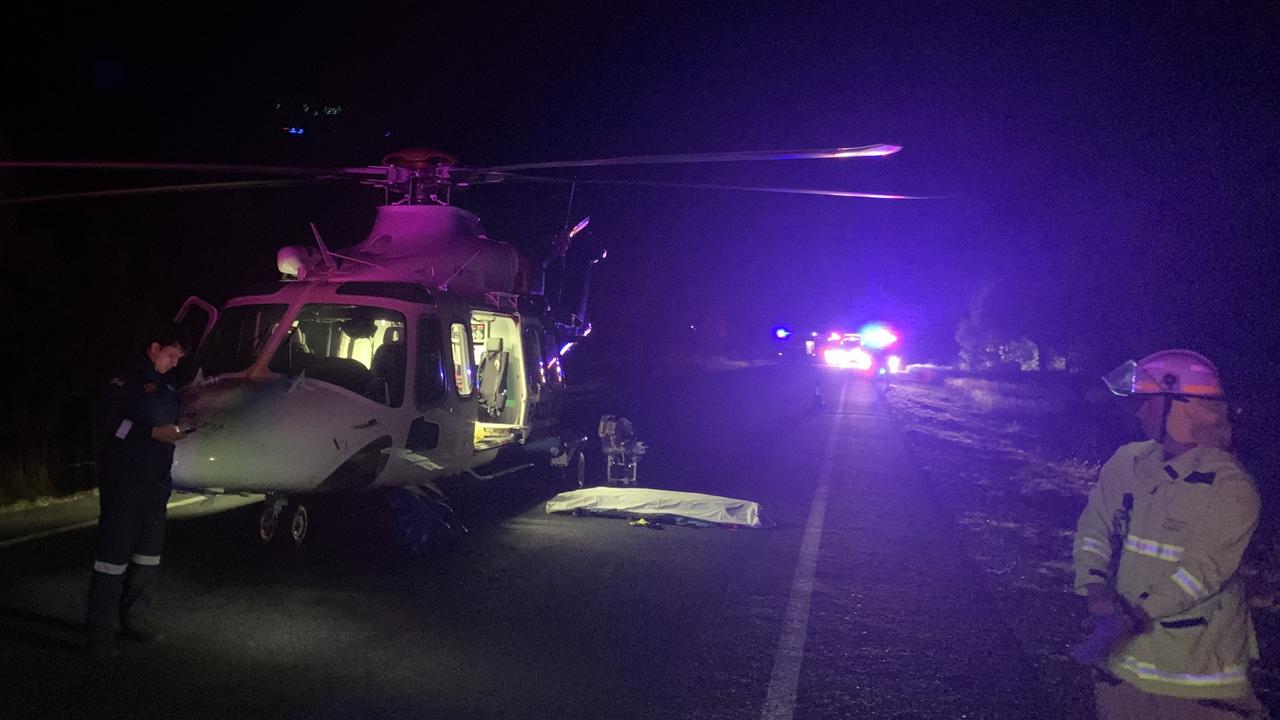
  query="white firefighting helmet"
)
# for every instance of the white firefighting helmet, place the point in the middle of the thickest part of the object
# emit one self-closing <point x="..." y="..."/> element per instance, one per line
<point x="1168" y="372"/>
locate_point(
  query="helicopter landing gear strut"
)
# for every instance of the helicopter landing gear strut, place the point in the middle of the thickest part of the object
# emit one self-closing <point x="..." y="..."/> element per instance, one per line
<point x="269" y="520"/>
<point x="569" y="462"/>
<point x="421" y="519"/>
<point x="576" y="471"/>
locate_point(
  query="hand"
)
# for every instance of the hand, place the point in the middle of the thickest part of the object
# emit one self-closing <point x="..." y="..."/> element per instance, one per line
<point x="1141" y="620"/>
<point x="1106" y="634"/>
<point x="1102" y="600"/>
<point x="166" y="434"/>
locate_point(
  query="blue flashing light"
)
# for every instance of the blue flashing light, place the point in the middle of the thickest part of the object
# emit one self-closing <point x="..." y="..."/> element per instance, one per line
<point x="781" y="333"/>
<point x="295" y="130"/>
<point x="877" y="337"/>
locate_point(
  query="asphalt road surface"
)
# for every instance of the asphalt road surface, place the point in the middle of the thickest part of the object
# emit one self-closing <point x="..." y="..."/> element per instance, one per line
<point x="860" y="603"/>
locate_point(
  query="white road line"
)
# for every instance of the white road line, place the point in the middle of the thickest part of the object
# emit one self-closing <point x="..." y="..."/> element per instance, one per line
<point x="87" y="523"/>
<point x="780" y="701"/>
<point x="47" y="533"/>
<point x="186" y="501"/>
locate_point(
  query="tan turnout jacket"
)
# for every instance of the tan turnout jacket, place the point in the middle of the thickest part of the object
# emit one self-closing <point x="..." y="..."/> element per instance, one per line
<point x="1191" y="520"/>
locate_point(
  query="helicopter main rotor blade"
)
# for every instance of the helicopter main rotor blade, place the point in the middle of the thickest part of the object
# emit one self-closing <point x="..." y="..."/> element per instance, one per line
<point x="158" y="190"/>
<point x="742" y="188"/>
<point x="167" y="167"/>
<point x="746" y="156"/>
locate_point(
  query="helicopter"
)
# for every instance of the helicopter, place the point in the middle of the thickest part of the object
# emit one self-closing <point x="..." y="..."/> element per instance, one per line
<point x="425" y="351"/>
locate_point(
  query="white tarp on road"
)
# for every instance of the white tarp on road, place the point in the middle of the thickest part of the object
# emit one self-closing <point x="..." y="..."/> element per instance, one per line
<point x="651" y="503"/>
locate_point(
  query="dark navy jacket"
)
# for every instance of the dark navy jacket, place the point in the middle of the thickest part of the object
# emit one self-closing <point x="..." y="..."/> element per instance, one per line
<point x="133" y="402"/>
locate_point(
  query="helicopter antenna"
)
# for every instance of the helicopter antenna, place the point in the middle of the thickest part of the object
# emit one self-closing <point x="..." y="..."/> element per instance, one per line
<point x="445" y="285"/>
<point x="329" y="255"/>
<point x="324" y="249"/>
<point x="568" y="211"/>
<point x="340" y="256"/>
<point x="586" y="288"/>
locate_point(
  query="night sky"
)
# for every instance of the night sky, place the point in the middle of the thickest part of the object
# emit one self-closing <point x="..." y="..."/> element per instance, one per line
<point x="1113" y="172"/>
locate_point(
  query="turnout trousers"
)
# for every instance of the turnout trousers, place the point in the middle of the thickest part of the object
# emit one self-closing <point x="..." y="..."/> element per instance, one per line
<point x="133" y="494"/>
<point x="1119" y="700"/>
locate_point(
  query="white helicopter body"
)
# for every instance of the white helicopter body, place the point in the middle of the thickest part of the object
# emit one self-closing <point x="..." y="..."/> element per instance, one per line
<point x="416" y="354"/>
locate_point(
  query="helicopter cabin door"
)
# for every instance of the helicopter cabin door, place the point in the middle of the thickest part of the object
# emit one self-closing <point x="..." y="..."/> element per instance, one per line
<point x="189" y="318"/>
<point x="444" y="391"/>
<point x="501" y="386"/>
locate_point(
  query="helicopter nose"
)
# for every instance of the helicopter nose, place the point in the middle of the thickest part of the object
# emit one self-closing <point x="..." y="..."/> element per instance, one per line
<point x="269" y="435"/>
<point x="240" y="438"/>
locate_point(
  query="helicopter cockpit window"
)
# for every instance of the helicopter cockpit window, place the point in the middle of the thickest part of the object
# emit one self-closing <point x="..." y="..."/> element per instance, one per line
<point x="357" y="347"/>
<point x="238" y="338"/>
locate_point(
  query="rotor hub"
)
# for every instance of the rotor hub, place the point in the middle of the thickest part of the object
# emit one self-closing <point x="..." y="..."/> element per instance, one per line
<point x="418" y="158"/>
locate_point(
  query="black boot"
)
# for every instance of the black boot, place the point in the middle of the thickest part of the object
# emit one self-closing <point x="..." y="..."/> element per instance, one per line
<point x="105" y="592"/>
<point x="135" y="606"/>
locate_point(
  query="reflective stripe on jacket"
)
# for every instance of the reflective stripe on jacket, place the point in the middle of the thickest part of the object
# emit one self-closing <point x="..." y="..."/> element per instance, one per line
<point x="1191" y="521"/>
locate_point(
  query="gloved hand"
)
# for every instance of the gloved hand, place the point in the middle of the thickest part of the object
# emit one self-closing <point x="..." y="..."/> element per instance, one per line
<point x="1108" y="632"/>
<point x="1112" y="620"/>
<point x="1102" y="600"/>
<point x="1141" y="620"/>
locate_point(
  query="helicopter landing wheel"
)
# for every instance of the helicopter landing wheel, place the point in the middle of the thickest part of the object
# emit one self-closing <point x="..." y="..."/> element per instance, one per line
<point x="575" y="473"/>
<point x="268" y="522"/>
<point x="580" y="470"/>
<point x="299" y="524"/>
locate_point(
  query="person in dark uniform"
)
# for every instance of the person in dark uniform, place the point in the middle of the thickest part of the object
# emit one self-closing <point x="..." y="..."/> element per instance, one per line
<point x="138" y="420"/>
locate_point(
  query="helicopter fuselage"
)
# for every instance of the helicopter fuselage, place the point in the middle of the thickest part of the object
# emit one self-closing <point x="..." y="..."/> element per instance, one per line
<point x="338" y="385"/>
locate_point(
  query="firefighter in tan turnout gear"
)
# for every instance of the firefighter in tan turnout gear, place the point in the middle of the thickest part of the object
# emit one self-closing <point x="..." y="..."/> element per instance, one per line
<point x="1157" y="549"/>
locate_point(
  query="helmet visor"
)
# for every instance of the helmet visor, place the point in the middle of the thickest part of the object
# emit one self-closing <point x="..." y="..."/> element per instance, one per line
<point x="1170" y="372"/>
<point x="1124" y="380"/>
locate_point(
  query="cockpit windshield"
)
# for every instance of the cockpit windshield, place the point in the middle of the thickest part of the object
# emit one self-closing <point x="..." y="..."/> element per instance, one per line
<point x="238" y="338"/>
<point x="358" y="347"/>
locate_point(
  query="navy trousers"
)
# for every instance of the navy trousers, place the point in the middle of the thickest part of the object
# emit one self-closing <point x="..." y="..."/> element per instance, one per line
<point x="133" y="494"/>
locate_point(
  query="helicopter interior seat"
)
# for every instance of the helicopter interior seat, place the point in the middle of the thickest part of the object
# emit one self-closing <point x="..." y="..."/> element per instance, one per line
<point x="348" y="372"/>
<point x="344" y="372"/>
<point x="493" y="378"/>
<point x="299" y="354"/>
<point x="389" y="363"/>
<point x="298" y="340"/>
<point x="294" y="356"/>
